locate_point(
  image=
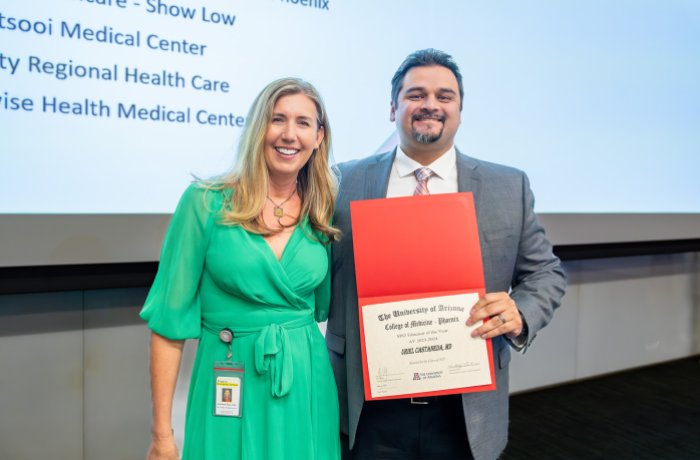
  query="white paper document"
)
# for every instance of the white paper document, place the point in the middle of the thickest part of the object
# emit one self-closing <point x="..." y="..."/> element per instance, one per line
<point x="423" y="346"/>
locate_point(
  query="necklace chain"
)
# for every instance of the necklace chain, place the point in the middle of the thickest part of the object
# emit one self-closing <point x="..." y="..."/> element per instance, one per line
<point x="278" y="208"/>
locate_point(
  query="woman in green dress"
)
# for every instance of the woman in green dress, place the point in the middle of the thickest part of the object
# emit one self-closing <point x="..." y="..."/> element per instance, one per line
<point x="246" y="257"/>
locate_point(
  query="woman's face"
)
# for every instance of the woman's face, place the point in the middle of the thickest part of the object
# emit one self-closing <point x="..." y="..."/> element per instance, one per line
<point x="292" y="135"/>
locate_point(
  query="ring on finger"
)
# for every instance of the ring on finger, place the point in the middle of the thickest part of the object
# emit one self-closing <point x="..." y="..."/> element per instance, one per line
<point x="502" y="318"/>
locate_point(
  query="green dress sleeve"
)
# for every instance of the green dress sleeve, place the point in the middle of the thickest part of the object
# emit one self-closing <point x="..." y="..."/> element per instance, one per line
<point x="323" y="292"/>
<point x="173" y="308"/>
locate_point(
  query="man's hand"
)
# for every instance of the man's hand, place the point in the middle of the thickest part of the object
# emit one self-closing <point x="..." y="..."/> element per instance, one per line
<point x="504" y="314"/>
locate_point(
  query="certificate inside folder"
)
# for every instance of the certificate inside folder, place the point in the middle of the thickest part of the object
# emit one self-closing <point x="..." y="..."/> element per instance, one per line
<point x="419" y="270"/>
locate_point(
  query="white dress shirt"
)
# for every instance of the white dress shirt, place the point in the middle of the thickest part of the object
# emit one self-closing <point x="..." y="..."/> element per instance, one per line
<point x="402" y="180"/>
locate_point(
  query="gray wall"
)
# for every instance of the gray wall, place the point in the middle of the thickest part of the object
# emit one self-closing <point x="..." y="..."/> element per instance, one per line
<point x="617" y="314"/>
<point x="74" y="376"/>
<point x="74" y="365"/>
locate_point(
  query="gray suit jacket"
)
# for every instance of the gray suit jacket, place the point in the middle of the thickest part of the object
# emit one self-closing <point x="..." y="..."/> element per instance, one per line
<point x="516" y="256"/>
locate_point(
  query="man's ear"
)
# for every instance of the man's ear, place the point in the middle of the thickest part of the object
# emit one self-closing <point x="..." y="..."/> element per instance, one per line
<point x="392" y="113"/>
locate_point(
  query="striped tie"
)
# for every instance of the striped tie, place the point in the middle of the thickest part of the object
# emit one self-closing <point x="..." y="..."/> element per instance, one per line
<point x="422" y="176"/>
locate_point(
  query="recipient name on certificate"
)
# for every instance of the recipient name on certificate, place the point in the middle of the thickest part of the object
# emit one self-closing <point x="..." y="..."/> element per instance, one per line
<point x="423" y="346"/>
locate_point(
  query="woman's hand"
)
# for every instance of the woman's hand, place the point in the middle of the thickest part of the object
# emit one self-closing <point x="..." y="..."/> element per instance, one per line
<point x="165" y="364"/>
<point x="163" y="448"/>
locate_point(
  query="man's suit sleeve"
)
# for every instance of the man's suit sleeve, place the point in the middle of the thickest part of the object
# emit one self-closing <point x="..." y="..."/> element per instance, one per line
<point x="538" y="279"/>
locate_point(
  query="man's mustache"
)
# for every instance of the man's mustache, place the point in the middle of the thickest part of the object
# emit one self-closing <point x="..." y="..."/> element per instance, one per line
<point x="428" y="116"/>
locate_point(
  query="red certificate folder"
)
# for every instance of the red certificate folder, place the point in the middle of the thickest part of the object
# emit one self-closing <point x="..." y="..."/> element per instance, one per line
<point x="416" y="247"/>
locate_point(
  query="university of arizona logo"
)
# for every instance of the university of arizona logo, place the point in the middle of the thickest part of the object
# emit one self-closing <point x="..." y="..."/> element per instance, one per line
<point x="416" y="376"/>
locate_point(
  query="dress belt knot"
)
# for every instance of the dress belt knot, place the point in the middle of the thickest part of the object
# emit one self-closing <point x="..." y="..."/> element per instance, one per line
<point x="272" y="352"/>
<point x="272" y="355"/>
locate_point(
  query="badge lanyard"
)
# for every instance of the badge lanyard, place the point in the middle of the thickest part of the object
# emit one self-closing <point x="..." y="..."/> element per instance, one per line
<point x="228" y="381"/>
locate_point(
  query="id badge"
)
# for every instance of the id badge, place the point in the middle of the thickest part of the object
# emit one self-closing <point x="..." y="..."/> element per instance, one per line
<point x="228" y="388"/>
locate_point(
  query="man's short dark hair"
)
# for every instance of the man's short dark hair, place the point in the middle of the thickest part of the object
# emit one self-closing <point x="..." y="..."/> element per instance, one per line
<point x="425" y="58"/>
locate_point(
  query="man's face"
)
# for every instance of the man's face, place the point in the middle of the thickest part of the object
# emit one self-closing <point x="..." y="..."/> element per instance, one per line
<point x="427" y="110"/>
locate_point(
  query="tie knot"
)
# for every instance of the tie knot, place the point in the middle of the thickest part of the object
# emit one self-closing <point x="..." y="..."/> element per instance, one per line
<point x="423" y="174"/>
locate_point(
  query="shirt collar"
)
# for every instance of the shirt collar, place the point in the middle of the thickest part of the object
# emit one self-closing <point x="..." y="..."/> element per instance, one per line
<point x="442" y="166"/>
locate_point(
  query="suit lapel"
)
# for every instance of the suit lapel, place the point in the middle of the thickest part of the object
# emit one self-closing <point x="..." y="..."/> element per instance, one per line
<point x="468" y="179"/>
<point x="377" y="180"/>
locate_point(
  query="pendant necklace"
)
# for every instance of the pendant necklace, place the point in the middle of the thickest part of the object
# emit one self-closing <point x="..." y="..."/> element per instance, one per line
<point x="278" y="209"/>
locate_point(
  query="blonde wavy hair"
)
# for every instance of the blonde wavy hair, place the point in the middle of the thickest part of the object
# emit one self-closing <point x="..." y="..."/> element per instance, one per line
<point x="316" y="184"/>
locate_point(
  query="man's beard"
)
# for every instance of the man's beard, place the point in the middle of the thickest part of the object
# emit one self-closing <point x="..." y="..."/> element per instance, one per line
<point x="428" y="138"/>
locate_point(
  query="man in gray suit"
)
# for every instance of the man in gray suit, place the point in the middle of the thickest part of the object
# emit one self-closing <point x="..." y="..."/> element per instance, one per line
<point x="524" y="280"/>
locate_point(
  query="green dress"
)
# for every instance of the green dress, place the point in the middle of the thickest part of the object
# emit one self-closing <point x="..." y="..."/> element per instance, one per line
<point x="213" y="276"/>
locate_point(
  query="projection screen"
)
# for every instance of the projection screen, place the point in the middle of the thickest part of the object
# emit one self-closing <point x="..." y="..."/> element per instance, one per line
<point x="109" y="108"/>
